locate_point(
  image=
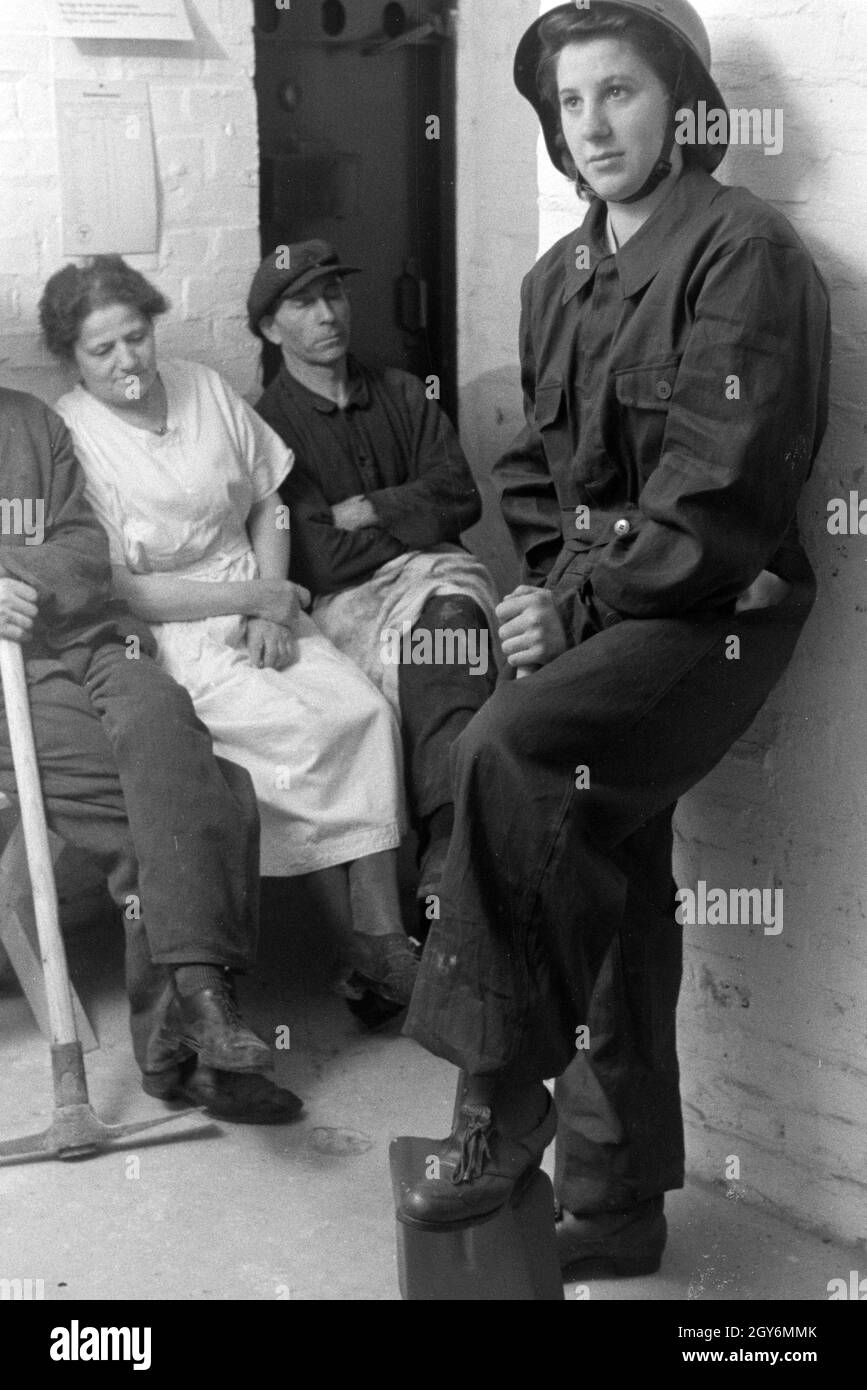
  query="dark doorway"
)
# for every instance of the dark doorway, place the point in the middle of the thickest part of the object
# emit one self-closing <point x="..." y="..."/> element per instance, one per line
<point x="356" y="106"/>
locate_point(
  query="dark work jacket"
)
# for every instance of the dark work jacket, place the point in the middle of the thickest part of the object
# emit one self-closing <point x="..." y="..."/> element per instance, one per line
<point x="70" y="567"/>
<point x="391" y="444"/>
<point x="675" y="396"/>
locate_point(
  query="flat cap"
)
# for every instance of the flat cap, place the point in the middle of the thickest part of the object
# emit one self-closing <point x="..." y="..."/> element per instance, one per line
<point x="288" y="269"/>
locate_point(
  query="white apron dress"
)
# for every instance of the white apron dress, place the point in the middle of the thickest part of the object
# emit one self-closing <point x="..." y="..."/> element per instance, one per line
<point x="320" y="743"/>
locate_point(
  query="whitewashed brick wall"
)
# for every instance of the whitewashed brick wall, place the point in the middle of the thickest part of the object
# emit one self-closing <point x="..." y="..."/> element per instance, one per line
<point x="496" y="243"/>
<point x="773" y="1029"/>
<point x="204" y="118"/>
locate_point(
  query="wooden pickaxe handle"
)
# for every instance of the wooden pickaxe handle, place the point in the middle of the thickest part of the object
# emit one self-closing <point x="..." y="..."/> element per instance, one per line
<point x="17" y="703"/>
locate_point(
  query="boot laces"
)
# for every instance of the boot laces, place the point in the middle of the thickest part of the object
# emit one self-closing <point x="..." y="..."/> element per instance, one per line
<point x="226" y="994"/>
<point x="474" y="1150"/>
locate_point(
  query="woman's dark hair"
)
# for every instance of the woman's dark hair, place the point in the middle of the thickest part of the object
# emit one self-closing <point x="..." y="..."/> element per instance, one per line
<point x="662" y="52"/>
<point x="75" y="291"/>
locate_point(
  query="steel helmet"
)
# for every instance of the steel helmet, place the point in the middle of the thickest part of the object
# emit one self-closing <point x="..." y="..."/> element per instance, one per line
<point x="681" y="21"/>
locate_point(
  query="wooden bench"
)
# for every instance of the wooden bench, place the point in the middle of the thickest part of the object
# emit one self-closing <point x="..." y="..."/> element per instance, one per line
<point x="18" y="935"/>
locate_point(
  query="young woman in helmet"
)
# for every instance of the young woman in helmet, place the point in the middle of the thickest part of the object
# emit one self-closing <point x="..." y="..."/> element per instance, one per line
<point x="674" y="359"/>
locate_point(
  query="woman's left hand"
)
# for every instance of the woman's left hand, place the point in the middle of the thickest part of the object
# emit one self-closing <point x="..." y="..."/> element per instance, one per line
<point x="269" y="644"/>
<point x="531" y="633"/>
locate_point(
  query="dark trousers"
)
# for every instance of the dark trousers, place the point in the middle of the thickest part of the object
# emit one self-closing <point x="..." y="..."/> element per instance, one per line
<point x="129" y="776"/>
<point x="437" y="702"/>
<point x="619" y="1127"/>
<point x="546" y="875"/>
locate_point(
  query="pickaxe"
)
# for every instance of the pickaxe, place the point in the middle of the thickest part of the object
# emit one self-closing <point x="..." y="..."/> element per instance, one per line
<point x="76" y="1130"/>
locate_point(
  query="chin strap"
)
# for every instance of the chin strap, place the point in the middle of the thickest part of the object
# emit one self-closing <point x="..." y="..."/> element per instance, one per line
<point x="659" y="172"/>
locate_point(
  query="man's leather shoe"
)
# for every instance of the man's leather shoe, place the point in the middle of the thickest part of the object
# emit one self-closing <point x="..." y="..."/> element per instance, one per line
<point x="208" y="1021"/>
<point x="243" y="1100"/>
<point x="620" y="1243"/>
<point x="476" y="1172"/>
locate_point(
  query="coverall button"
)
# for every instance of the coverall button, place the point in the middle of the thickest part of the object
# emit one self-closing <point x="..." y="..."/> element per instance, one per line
<point x="621" y="527"/>
<point x="663" y="390"/>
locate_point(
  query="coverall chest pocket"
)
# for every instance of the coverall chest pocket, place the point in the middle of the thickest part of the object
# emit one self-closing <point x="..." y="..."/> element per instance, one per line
<point x="551" y="418"/>
<point x="643" y="399"/>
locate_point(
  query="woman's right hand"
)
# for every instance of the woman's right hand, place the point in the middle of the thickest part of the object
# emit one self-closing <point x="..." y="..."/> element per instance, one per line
<point x="17" y="609"/>
<point x="280" y="601"/>
<point x="531" y="633"/>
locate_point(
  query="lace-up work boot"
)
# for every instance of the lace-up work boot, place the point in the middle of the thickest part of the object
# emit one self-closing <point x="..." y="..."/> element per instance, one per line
<point x="248" y="1099"/>
<point x="471" y="1175"/>
<point x="209" y="1022"/>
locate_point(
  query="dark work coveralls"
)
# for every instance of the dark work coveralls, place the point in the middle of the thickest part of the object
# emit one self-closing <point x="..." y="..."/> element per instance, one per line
<point x="398" y="449"/>
<point x="675" y="397"/>
<point x="127" y="769"/>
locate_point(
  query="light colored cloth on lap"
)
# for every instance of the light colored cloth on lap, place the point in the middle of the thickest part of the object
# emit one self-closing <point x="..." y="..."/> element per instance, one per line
<point x="355" y="618"/>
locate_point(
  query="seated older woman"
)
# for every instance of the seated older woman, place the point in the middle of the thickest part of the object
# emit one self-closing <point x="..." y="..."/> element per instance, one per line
<point x="183" y="476"/>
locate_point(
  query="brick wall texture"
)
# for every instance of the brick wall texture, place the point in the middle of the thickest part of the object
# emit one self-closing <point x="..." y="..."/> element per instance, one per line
<point x="773" y="1031"/>
<point x="204" y="121"/>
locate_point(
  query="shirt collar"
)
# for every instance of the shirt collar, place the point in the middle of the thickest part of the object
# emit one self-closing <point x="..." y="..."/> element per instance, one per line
<point x="359" y="391"/>
<point x="639" y="260"/>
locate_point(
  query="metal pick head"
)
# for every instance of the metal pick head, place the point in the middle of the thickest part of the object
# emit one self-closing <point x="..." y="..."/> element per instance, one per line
<point x="77" y="1132"/>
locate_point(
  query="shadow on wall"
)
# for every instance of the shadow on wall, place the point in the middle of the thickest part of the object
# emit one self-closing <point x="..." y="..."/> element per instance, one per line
<point x="769" y="1022"/>
<point x="784" y="180"/>
<point x="491" y="416"/>
<point x="203" y="45"/>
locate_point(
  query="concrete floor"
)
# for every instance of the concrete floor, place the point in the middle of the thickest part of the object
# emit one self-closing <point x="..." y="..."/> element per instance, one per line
<point x="208" y="1211"/>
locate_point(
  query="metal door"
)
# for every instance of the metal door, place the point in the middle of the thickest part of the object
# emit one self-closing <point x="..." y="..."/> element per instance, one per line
<point x="357" y="145"/>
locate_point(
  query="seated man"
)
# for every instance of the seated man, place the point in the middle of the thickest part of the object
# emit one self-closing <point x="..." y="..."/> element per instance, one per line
<point x="129" y="776"/>
<point x="378" y="498"/>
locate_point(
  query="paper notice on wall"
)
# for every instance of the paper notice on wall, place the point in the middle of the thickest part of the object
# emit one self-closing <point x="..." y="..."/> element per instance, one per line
<point x="107" y="175"/>
<point x="119" y="19"/>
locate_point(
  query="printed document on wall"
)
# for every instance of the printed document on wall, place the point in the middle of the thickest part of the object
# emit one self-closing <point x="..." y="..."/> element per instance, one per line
<point x="107" y="175"/>
<point x="119" y="19"/>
